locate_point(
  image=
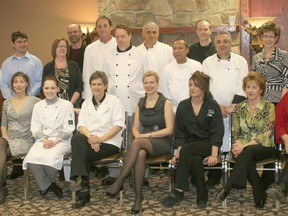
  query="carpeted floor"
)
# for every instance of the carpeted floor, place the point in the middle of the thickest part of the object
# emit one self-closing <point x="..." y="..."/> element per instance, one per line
<point x="240" y="202"/>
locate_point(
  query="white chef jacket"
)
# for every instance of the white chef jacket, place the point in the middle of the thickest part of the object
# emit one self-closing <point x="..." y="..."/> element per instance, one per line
<point x="110" y="113"/>
<point x="226" y="82"/>
<point x="51" y="121"/>
<point x="125" y="71"/>
<point x="93" y="60"/>
<point x="176" y="78"/>
<point x="158" y="58"/>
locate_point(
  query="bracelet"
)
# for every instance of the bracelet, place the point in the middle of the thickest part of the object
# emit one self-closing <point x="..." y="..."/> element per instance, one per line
<point x="214" y="156"/>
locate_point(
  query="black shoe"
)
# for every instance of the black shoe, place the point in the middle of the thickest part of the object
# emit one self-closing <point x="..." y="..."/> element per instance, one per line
<point x="173" y="198"/>
<point x="261" y="203"/>
<point x="81" y="202"/>
<point x="277" y="193"/>
<point x="114" y="194"/>
<point x="108" y="181"/>
<point x="134" y="212"/>
<point x="14" y="174"/>
<point x="137" y="211"/>
<point x="56" y="190"/>
<point x="44" y="192"/>
<point x="201" y="204"/>
<point x="222" y="194"/>
<point x="145" y="183"/>
<point x="211" y="183"/>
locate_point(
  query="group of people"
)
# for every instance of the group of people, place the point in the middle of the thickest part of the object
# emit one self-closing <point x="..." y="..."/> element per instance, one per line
<point x="164" y="93"/>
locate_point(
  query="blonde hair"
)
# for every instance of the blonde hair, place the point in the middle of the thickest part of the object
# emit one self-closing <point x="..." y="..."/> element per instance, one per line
<point x="151" y="73"/>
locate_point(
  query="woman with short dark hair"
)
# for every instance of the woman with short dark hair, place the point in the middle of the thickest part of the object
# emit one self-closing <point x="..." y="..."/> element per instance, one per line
<point x="199" y="131"/>
<point x="252" y="139"/>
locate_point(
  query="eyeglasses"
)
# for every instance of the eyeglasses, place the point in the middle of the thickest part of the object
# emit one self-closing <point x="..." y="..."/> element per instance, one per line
<point x="73" y="32"/>
<point x="61" y="46"/>
<point x="268" y="36"/>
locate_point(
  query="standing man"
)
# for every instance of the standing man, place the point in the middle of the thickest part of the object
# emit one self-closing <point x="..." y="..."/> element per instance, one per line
<point x="177" y="73"/>
<point x="29" y="64"/>
<point x="77" y="47"/>
<point x="22" y="61"/>
<point x="158" y="53"/>
<point x="96" y="51"/>
<point x="205" y="47"/>
<point x="125" y="65"/>
<point x="227" y="71"/>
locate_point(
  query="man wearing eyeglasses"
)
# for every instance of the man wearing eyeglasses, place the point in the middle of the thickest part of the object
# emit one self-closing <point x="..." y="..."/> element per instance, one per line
<point x="77" y="47"/>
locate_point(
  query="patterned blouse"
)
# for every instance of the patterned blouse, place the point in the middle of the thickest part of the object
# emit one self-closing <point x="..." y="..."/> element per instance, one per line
<point x="62" y="75"/>
<point x="258" y="126"/>
<point x="275" y="71"/>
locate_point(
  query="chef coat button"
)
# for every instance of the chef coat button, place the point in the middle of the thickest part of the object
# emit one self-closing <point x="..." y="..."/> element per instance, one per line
<point x="129" y="54"/>
<point x="128" y="86"/>
<point x="128" y="75"/>
<point x="128" y="64"/>
<point x="116" y="64"/>
<point x="116" y="75"/>
<point x="128" y="97"/>
<point x="116" y="86"/>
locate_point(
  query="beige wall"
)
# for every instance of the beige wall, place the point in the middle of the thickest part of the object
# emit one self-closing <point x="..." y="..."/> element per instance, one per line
<point x="43" y="21"/>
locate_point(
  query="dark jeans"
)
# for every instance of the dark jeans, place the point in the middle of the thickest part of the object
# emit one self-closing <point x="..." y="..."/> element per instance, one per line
<point x="245" y="169"/>
<point x="83" y="154"/>
<point x="191" y="159"/>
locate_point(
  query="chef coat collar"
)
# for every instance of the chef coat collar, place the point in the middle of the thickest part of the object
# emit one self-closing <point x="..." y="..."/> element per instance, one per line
<point x="94" y="100"/>
<point x="229" y="57"/>
<point x="130" y="47"/>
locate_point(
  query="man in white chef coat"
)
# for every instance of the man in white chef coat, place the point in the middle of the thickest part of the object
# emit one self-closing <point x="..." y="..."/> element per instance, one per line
<point x="158" y="54"/>
<point x="125" y="65"/>
<point x="227" y="71"/>
<point x="176" y="74"/>
<point x="96" y="51"/>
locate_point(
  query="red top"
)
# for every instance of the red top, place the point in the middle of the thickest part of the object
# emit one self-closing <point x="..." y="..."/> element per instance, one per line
<point x="281" y="121"/>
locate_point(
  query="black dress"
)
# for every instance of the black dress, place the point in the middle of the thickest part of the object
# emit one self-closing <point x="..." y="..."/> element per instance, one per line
<point x="152" y="119"/>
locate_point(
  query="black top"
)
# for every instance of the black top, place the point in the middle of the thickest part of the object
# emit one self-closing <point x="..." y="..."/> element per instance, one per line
<point x="200" y="53"/>
<point x="75" y="77"/>
<point x="208" y="125"/>
<point x="80" y="56"/>
<point x="152" y="119"/>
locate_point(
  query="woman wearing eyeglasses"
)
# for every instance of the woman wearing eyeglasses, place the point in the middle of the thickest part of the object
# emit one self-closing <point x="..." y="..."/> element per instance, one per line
<point x="272" y="63"/>
<point x="67" y="72"/>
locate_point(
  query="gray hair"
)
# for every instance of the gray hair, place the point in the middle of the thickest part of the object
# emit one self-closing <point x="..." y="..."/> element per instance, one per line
<point x="151" y="25"/>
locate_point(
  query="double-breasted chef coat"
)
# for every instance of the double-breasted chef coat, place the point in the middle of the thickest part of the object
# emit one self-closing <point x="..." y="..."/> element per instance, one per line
<point x="51" y="121"/>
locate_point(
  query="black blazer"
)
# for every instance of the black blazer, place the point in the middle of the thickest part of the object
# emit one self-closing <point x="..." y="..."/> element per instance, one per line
<point x="75" y="77"/>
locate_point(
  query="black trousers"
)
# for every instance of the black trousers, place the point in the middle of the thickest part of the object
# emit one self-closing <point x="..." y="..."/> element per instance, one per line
<point x="283" y="178"/>
<point x="83" y="154"/>
<point x="191" y="159"/>
<point x="245" y="169"/>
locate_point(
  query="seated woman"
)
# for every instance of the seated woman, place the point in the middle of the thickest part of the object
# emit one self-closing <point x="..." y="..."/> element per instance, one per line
<point x="15" y="125"/>
<point x="198" y="134"/>
<point x="52" y="126"/>
<point x="101" y="120"/>
<point x="154" y="113"/>
<point x="252" y="138"/>
<point x="281" y="133"/>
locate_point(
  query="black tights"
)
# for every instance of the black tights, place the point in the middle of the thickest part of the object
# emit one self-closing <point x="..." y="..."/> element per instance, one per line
<point x="135" y="157"/>
<point x="5" y="153"/>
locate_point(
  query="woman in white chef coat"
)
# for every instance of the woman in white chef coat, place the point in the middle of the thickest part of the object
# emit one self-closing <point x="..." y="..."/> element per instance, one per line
<point x="52" y="125"/>
<point x="100" y="122"/>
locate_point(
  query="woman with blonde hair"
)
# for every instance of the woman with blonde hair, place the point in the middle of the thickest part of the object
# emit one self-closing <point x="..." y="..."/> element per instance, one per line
<point x="152" y="127"/>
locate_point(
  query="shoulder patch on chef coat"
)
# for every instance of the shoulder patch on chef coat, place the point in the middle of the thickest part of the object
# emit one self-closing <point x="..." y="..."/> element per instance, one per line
<point x="70" y="122"/>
